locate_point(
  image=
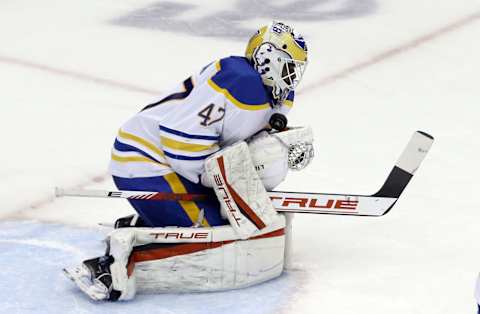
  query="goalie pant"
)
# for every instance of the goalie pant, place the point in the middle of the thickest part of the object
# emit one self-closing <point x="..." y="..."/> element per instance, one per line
<point x="172" y="259"/>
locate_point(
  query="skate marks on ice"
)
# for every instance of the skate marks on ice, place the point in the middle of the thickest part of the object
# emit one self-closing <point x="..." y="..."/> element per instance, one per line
<point x="225" y="19"/>
<point x="33" y="254"/>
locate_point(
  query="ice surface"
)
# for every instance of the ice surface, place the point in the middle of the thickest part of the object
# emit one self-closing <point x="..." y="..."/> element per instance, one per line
<point x="72" y="71"/>
<point x="33" y="255"/>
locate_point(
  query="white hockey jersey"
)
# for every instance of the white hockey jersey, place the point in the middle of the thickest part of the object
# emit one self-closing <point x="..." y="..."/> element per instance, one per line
<point x="224" y="103"/>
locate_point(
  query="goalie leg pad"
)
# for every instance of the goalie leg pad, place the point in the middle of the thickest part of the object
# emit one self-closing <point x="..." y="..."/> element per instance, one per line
<point x="121" y="243"/>
<point x="240" y="191"/>
<point x="194" y="259"/>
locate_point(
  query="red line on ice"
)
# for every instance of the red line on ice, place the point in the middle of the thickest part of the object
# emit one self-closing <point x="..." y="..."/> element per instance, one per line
<point x="392" y="52"/>
<point x="78" y="75"/>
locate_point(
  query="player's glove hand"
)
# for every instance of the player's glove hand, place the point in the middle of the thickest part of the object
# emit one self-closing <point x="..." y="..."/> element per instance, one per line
<point x="299" y="155"/>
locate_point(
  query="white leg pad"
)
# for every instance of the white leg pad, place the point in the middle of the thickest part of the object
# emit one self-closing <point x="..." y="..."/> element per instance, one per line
<point x="121" y="244"/>
<point x="240" y="190"/>
<point x="195" y="259"/>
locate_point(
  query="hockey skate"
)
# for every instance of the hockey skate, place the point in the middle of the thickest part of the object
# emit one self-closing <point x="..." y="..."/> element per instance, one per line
<point x="93" y="277"/>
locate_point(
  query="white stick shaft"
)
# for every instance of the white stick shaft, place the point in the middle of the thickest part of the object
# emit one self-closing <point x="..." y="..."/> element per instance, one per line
<point x="314" y="203"/>
<point x="132" y="195"/>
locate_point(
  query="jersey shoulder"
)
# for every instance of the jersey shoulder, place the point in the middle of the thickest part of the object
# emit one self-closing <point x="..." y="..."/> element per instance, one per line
<point x="240" y="83"/>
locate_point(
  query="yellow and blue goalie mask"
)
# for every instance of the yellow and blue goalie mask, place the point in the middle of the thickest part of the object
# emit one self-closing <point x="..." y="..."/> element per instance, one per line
<point x="280" y="56"/>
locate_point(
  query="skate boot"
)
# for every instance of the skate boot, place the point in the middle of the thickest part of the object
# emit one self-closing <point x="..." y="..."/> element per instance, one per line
<point x="129" y="221"/>
<point x="93" y="277"/>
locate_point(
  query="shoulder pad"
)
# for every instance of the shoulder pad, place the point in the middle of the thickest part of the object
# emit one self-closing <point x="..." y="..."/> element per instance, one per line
<point x="240" y="83"/>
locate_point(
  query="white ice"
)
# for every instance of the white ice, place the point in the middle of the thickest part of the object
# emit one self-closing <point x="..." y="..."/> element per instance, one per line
<point x="70" y="75"/>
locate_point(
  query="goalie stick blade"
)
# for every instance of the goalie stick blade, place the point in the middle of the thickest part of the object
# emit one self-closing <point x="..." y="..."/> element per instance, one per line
<point x="406" y="165"/>
<point x="377" y="204"/>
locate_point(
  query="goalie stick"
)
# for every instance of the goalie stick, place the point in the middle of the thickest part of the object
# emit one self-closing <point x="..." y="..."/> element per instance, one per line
<point x="377" y="204"/>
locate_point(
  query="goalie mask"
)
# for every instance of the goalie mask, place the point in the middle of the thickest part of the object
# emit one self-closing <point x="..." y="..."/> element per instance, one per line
<point x="280" y="56"/>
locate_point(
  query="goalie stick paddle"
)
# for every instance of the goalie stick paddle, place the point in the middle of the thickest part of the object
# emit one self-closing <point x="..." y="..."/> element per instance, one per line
<point x="377" y="204"/>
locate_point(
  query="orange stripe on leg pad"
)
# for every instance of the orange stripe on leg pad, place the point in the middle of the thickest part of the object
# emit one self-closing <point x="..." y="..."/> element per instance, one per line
<point x="272" y="234"/>
<point x="242" y="205"/>
<point x="163" y="250"/>
<point x="166" y="251"/>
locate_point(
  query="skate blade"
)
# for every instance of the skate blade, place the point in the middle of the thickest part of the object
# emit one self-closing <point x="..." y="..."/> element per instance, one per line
<point x="92" y="289"/>
<point x="67" y="274"/>
<point x="77" y="274"/>
<point x="106" y="224"/>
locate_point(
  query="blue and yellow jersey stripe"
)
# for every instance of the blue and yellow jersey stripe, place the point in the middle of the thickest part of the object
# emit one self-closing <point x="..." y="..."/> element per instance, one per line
<point x="190" y="208"/>
<point x="132" y="148"/>
<point x="118" y="158"/>
<point x="186" y="146"/>
<point x="188" y="135"/>
<point x="238" y="81"/>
